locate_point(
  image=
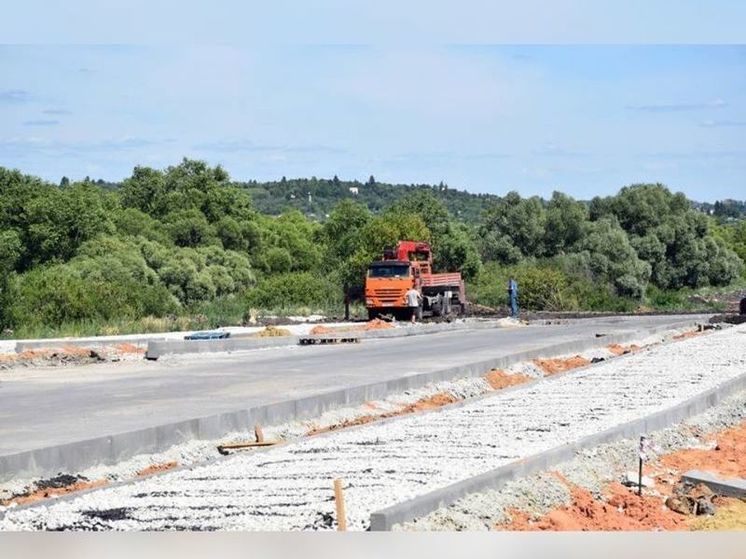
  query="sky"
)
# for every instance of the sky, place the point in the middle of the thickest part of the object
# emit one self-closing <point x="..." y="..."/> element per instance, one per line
<point x="584" y="119"/>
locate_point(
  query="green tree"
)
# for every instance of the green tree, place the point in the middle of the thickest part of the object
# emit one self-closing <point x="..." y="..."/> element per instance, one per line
<point x="10" y="252"/>
<point x="565" y="219"/>
<point x="513" y="228"/>
<point x="670" y="236"/>
<point x="605" y="253"/>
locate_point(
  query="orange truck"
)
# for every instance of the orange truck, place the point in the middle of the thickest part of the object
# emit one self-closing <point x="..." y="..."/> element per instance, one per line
<point x="410" y="264"/>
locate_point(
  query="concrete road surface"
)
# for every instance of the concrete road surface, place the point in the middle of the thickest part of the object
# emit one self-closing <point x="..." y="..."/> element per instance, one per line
<point x="51" y="406"/>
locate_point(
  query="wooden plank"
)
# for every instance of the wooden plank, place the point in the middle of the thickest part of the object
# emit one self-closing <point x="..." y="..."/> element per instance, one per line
<point x="224" y="448"/>
<point x="339" y="501"/>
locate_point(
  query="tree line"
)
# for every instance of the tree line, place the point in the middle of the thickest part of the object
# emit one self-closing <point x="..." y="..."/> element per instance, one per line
<point x="187" y="240"/>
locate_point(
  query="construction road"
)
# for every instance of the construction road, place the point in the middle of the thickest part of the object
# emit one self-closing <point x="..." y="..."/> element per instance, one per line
<point x="50" y="406"/>
<point x="290" y="487"/>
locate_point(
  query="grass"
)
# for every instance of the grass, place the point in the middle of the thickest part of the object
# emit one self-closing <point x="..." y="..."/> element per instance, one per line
<point x="701" y="299"/>
<point x="730" y="517"/>
<point x="229" y="311"/>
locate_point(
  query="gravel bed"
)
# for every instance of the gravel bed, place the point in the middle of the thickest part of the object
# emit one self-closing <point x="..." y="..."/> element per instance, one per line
<point x="290" y="487"/>
<point x="591" y="469"/>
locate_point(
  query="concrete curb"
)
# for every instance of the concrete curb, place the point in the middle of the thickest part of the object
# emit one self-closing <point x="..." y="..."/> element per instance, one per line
<point x="114" y="448"/>
<point x="85" y="342"/>
<point x="731" y="487"/>
<point x="385" y="519"/>
<point x="158" y="348"/>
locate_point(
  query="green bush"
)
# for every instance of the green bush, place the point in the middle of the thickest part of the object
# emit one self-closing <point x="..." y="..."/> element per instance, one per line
<point x="598" y="296"/>
<point x="540" y="287"/>
<point x="297" y="288"/>
<point x="665" y="299"/>
<point x="61" y="293"/>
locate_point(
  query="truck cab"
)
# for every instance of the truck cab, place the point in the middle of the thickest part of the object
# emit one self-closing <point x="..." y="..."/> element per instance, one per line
<point x="405" y="266"/>
<point x="386" y="286"/>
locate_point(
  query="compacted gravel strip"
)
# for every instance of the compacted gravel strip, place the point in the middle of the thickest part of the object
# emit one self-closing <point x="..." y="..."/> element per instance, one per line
<point x="290" y="487"/>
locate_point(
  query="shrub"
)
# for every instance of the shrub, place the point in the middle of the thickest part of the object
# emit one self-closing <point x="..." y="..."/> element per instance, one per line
<point x="298" y="288"/>
<point x="540" y="287"/>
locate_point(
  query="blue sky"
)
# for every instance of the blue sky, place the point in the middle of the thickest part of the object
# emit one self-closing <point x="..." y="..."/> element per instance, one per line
<point x="584" y="119"/>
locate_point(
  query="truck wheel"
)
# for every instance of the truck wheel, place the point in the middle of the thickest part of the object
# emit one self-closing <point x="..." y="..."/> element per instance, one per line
<point x="372" y="314"/>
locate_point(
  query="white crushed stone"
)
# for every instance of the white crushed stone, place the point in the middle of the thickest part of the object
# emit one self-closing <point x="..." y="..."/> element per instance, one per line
<point x="591" y="469"/>
<point x="528" y="368"/>
<point x="290" y="487"/>
<point x="535" y="495"/>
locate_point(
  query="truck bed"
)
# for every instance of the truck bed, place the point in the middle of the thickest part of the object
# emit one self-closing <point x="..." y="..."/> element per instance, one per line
<point x="442" y="280"/>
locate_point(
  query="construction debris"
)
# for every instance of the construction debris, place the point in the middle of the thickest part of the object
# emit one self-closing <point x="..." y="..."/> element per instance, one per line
<point x="208" y="335"/>
<point x="225" y="449"/>
<point x="690" y="499"/>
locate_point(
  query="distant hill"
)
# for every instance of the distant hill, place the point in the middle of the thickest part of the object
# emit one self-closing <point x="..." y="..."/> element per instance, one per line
<point x="728" y="209"/>
<point x="276" y="197"/>
<point x="316" y="197"/>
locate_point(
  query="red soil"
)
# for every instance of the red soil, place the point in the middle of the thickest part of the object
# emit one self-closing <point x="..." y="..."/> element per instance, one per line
<point x="554" y="366"/>
<point x="128" y="348"/>
<point x="155" y="468"/>
<point x="689" y="334"/>
<point x="375" y="324"/>
<point x="624" y="510"/>
<point x="500" y="379"/>
<point x="429" y="403"/>
<point x="42" y="494"/>
<point x="618" y="349"/>
<point x="727" y="459"/>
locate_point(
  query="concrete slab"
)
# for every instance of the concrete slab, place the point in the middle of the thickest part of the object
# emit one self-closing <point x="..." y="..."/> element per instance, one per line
<point x="51" y="419"/>
<point x="730" y="487"/>
<point x="159" y="348"/>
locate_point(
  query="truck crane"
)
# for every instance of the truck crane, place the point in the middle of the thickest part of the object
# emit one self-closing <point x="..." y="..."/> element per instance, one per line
<point x="410" y="264"/>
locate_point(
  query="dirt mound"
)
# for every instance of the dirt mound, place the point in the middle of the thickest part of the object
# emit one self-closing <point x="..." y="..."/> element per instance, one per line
<point x="377" y="324"/>
<point x="621" y="510"/>
<point x="728" y="458"/>
<point x="51" y="357"/>
<point x="430" y="403"/>
<point x="273" y="332"/>
<point x="61" y="485"/>
<point x="554" y="366"/>
<point x="500" y="379"/>
<point x="128" y="348"/>
<point x="618" y="349"/>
